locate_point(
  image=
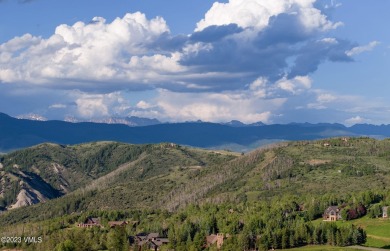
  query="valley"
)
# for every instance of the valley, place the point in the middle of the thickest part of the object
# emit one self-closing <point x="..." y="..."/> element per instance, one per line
<point x="167" y="188"/>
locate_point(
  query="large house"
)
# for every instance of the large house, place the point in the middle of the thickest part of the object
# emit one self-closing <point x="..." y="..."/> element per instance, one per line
<point x="150" y="241"/>
<point x="332" y="213"/>
<point x="90" y="222"/>
<point x="385" y="211"/>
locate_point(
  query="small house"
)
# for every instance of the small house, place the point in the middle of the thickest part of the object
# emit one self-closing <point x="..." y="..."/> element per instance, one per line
<point x="113" y="224"/>
<point x="157" y="242"/>
<point x="332" y="213"/>
<point x="90" y="222"/>
<point x="212" y="239"/>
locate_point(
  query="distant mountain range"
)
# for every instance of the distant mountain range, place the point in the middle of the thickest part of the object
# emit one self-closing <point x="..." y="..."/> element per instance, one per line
<point x="236" y="123"/>
<point x="19" y="133"/>
<point x="129" y="121"/>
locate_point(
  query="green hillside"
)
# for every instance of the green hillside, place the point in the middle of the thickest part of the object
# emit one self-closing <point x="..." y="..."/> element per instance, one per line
<point x="54" y="170"/>
<point x="266" y="198"/>
<point x="94" y="167"/>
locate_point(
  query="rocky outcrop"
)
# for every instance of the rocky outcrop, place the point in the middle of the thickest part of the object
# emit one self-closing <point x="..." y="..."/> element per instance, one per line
<point x="27" y="197"/>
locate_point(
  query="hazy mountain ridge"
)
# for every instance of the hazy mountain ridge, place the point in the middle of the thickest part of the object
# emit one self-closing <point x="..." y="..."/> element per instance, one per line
<point x="20" y="133"/>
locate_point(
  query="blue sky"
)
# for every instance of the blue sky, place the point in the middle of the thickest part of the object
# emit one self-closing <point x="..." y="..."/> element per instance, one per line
<point x="250" y="60"/>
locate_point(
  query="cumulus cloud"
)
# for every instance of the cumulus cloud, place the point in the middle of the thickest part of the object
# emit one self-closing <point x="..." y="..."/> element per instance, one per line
<point x="99" y="105"/>
<point x="313" y="53"/>
<point x="267" y="51"/>
<point x="295" y="85"/>
<point x="82" y="54"/>
<point x="257" y="102"/>
<point x="244" y="60"/>
<point x="284" y="87"/>
<point x="236" y="43"/>
<point x="217" y="107"/>
<point x="252" y="13"/>
<point x="172" y="106"/>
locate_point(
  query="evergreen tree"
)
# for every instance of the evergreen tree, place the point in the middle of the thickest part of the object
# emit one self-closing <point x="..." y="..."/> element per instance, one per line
<point x="66" y="245"/>
<point x="117" y="239"/>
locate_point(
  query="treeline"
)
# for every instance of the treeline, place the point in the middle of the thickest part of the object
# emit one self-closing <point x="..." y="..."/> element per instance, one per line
<point x="276" y="224"/>
<point x="280" y="223"/>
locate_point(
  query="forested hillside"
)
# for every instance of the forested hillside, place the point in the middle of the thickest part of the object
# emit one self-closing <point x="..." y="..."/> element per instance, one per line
<point x="54" y="170"/>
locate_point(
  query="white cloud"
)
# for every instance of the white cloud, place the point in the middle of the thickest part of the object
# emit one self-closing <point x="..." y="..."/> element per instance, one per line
<point x="18" y="43"/>
<point x="217" y="107"/>
<point x="296" y="85"/>
<point x="143" y="105"/>
<point x="98" y="105"/>
<point x="83" y="53"/>
<point x="215" y="74"/>
<point x="323" y="99"/>
<point x="326" y="98"/>
<point x="259" y="87"/>
<point x="136" y="53"/>
<point x="360" y="49"/>
<point x="91" y="107"/>
<point x="255" y="13"/>
<point x="308" y="105"/>
<point x="329" y="40"/>
<point x="355" y="120"/>
<point x="57" y="106"/>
